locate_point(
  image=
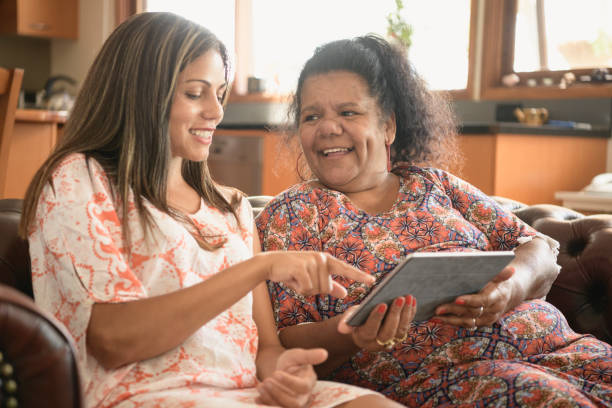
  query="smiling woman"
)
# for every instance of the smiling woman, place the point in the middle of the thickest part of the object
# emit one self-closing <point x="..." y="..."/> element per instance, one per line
<point x="344" y="135"/>
<point x="197" y="107"/>
<point x="502" y="346"/>
<point x="153" y="267"/>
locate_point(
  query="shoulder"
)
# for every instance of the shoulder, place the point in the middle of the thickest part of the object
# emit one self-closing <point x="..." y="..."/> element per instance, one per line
<point x="77" y="176"/>
<point x="411" y="172"/>
<point x="231" y="194"/>
<point x="297" y="200"/>
<point x="305" y="191"/>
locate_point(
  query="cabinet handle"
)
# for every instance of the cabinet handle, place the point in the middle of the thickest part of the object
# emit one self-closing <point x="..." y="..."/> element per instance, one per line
<point x="40" y="26"/>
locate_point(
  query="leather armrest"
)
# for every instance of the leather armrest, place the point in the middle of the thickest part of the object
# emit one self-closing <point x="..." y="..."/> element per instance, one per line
<point x="40" y="353"/>
<point x="583" y="289"/>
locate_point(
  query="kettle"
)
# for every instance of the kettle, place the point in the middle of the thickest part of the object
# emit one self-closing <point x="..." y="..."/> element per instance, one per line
<point x="59" y="97"/>
<point x="531" y="116"/>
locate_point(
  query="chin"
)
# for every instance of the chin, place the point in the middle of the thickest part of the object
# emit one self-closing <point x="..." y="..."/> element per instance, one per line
<point x="335" y="183"/>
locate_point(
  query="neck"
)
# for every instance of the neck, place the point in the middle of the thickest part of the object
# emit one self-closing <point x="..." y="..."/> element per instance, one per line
<point x="378" y="198"/>
<point x="179" y="194"/>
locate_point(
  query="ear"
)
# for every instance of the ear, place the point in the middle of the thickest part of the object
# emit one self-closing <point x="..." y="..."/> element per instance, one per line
<point x="389" y="128"/>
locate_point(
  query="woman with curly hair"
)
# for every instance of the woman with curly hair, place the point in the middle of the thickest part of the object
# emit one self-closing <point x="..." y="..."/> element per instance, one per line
<point x="369" y="130"/>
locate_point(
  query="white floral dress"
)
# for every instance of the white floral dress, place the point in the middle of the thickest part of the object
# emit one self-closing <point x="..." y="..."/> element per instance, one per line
<point x="79" y="258"/>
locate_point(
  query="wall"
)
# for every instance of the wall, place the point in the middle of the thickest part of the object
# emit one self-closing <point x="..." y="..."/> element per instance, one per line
<point x="96" y="22"/>
<point x="33" y="55"/>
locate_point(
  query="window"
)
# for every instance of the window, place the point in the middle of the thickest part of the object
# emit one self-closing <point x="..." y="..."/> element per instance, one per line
<point x="562" y="35"/>
<point x="282" y="35"/>
<point x="543" y="43"/>
<point x="217" y="16"/>
<point x="286" y="33"/>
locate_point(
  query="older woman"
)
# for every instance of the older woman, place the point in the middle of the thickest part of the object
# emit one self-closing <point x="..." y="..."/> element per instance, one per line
<point x="367" y="124"/>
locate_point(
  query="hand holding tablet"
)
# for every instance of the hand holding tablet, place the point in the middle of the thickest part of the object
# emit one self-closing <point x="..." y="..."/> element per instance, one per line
<point x="434" y="278"/>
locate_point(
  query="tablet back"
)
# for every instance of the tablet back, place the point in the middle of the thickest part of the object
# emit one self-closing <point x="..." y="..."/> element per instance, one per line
<point x="434" y="278"/>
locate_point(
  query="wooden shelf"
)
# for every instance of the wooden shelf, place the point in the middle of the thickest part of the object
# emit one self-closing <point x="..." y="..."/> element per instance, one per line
<point x="544" y="92"/>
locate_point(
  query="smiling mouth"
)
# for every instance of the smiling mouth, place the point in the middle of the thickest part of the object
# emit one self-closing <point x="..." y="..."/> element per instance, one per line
<point x="201" y="133"/>
<point x="327" y="152"/>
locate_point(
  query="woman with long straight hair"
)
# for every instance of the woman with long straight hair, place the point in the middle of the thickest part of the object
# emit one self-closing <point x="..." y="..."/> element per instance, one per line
<point x="153" y="267"/>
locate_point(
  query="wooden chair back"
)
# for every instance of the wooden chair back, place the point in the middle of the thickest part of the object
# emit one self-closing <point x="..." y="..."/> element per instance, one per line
<point x="10" y="84"/>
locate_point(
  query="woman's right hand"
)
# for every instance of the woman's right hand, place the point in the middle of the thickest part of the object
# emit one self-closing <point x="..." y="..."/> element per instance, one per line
<point x="385" y="327"/>
<point x="310" y="273"/>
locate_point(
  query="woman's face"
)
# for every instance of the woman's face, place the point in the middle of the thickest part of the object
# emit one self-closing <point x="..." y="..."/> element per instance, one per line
<point x="196" y="107"/>
<point x="342" y="132"/>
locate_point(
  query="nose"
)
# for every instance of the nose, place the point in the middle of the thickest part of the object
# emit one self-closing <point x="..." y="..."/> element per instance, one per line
<point x="330" y="127"/>
<point x="212" y="109"/>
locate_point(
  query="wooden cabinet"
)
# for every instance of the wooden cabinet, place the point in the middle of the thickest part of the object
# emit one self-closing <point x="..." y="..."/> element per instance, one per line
<point x="34" y="136"/>
<point x="40" y="18"/>
<point x="278" y="160"/>
<point x="531" y="168"/>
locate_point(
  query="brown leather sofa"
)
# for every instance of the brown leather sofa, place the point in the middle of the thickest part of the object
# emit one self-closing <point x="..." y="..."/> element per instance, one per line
<point x="37" y="358"/>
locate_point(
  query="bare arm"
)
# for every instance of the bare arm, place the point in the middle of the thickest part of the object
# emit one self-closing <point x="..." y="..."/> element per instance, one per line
<point x="535" y="271"/>
<point x="340" y="347"/>
<point x="529" y="276"/>
<point x="121" y="333"/>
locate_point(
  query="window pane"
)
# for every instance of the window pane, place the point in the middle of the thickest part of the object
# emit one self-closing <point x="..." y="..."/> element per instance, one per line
<point x="285" y="34"/>
<point x="220" y="21"/>
<point x="578" y="35"/>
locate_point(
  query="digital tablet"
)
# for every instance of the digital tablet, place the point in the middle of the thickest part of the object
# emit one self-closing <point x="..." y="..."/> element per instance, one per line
<point x="433" y="278"/>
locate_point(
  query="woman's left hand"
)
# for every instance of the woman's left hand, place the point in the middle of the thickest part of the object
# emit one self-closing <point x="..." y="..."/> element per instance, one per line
<point x="481" y="309"/>
<point x="292" y="383"/>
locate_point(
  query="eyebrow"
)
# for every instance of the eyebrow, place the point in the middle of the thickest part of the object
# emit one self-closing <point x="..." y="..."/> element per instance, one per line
<point x="342" y="105"/>
<point x="203" y="81"/>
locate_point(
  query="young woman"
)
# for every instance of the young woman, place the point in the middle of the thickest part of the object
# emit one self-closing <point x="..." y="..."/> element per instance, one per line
<point x="367" y="124"/>
<point x="146" y="260"/>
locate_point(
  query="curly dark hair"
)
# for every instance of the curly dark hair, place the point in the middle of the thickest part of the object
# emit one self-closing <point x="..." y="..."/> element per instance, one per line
<point x="426" y="127"/>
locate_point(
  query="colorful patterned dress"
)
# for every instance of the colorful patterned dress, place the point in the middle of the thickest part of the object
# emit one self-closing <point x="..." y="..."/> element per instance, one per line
<point x="530" y="358"/>
<point x="78" y="259"/>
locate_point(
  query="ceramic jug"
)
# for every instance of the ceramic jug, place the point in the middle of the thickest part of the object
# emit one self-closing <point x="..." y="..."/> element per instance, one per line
<point x="531" y="116"/>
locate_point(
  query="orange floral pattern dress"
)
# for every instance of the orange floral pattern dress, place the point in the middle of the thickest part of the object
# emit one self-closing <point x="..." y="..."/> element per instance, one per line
<point x="530" y="358"/>
<point x="79" y="258"/>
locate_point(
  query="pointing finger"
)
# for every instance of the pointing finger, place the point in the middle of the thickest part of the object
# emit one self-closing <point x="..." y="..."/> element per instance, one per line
<point x="338" y="267"/>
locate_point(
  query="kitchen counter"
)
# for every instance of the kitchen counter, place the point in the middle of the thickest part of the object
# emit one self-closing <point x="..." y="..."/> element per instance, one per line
<point x="41" y="115"/>
<point x="519" y="128"/>
<point x="35" y="134"/>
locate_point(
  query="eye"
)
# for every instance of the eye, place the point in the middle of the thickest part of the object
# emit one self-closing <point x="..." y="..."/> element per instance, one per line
<point x="348" y="113"/>
<point x="220" y="98"/>
<point x="192" y="95"/>
<point x="310" y="118"/>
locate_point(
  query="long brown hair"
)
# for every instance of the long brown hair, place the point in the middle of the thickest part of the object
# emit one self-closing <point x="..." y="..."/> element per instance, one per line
<point x="120" y="117"/>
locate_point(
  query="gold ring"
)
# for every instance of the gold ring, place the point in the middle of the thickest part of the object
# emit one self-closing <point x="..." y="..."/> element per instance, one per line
<point x="387" y="344"/>
<point x="480" y="311"/>
<point x="400" y="340"/>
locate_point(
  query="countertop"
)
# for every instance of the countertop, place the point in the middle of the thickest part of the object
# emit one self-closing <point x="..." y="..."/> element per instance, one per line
<point x="41" y="116"/>
<point x="519" y="128"/>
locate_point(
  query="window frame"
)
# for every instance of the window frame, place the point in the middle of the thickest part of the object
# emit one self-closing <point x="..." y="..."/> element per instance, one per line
<point x="491" y="56"/>
<point x="498" y="60"/>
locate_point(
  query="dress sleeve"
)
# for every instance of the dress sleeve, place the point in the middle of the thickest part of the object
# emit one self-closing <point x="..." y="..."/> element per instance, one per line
<point x="289" y="223"/>
<point x="504" y="230"/>
<point x="77" y="251"/>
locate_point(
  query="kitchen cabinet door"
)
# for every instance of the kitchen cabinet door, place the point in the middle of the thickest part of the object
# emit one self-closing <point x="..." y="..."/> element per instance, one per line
<point x="40" y="18"/>
<point x="531" y="168"/>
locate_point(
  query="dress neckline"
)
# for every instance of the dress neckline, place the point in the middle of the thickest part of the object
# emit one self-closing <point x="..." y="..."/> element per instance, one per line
<point x="351" y="206"/>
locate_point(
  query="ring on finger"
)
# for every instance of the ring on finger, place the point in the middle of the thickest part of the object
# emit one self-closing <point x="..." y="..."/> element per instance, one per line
<point x="401" y="339"/>
<point x="474" y="327"/>
<point x="387" y="344"/>
<point x="480" y="311"/>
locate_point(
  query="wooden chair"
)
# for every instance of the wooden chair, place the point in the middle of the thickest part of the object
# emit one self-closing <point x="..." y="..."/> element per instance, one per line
<point x="10" y="84"/>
